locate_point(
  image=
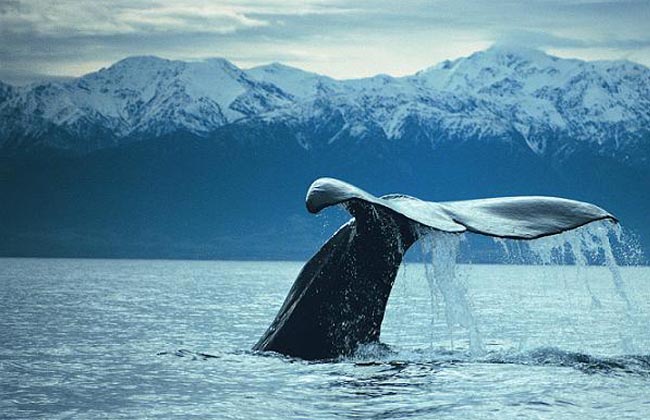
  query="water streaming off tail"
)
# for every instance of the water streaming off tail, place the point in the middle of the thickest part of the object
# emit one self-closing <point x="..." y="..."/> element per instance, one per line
<point x="445" y="284"/>
<point x="579" y="247"/>
<point x="593" y="245"/>
<point x="573" y="284"/>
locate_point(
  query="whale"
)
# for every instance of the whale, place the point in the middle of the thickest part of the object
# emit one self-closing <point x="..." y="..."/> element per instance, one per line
<point x="338" y="301"/>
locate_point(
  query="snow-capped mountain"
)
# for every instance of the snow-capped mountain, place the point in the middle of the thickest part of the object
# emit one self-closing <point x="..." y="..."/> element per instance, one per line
<point x="206" y="160"/>
<point x="538" y="94"/>
<point x="501" y="94"/>
<point x="294" y="81"/>
<point x="138" y="96"/>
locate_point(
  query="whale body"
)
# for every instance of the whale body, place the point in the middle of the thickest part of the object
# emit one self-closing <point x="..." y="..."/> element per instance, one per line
<point x="339" y="298"/>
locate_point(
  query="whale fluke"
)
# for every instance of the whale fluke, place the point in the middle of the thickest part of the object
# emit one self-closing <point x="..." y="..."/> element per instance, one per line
<point x="339" y="298"/>
<point x="505" y="217"/>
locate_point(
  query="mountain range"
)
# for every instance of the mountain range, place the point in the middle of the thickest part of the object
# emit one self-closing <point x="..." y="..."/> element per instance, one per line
<point x="160" y="158"/>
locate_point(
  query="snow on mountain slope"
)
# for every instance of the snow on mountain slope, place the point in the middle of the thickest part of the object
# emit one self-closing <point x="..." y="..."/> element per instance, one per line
<point x="298" y="83"/>
<point x="499" y="93"/>
<point x="143" y="95"/>
<point x="533" y="90"/>
<point x="502" y="94"/>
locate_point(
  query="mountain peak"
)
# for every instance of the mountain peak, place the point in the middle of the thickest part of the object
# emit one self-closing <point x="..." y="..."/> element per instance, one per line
<point x="141" y="60"/>
<point x="512" y="55"/>
<point x="515" y="49"/>
<point x="499" y="91"/>
<point x="500" y="54"/>
<point x="155" y="62"/>
<point x="219" y="62"/>
<point x="277" y="67"/>
<point x="292" y="80"/>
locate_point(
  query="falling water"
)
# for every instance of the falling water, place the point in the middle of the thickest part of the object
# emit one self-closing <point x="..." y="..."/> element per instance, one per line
<point x="587" y="245"/>
<point x="582" y="247"/>
<point x="444" y="282"/>
<point x="593" y="243"/>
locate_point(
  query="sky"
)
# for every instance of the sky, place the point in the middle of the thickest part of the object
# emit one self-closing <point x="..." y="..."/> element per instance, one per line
<point x="48" y="39"/>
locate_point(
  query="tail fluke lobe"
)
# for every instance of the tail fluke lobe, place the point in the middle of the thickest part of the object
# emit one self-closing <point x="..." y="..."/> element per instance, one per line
<point x="507" y="217"/>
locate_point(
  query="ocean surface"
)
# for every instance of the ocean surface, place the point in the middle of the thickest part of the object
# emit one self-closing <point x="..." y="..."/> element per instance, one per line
<point x="138" y="339"/>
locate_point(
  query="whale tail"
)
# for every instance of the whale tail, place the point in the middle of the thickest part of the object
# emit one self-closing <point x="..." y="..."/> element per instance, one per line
<point x="339" y="298"/>
<point x="505" y="217"/>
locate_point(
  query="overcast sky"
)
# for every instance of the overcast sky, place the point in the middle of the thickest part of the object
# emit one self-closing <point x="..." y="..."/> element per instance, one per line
<point x="342" y="39"/>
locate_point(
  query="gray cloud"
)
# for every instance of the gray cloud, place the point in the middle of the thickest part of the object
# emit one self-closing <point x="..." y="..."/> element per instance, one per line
<point x="340" y="38"/>
<point x="542" y="40"/>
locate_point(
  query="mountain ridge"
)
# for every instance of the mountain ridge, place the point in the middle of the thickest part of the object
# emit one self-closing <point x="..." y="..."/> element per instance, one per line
<point x="156" y="158"/>
<point x="496" y="93"/>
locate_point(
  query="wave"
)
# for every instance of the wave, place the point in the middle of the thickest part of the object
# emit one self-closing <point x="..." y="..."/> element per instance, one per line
<point x="379" y="354"/>
<point x="550" y="356"/>
<point x="193" y="355"/>
<point x="544" y="356"/>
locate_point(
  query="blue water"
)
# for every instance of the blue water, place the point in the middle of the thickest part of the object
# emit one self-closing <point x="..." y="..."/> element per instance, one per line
<point x="170" y="339"/>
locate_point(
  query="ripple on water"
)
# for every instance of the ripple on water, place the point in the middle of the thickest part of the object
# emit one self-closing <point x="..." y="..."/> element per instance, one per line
<point x="136" y="339"/>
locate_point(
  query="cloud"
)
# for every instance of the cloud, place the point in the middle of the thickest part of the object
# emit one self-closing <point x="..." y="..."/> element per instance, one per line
<point x="73" y="18"/>
<point x="341" y="38"/>
<point x="537" y="39"/>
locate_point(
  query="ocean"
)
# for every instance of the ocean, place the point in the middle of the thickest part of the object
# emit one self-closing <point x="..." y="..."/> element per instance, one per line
<point x="112" y="339"/>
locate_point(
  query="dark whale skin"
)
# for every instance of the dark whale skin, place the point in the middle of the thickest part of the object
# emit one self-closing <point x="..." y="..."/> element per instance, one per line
<point x="339" y="298"/>
<point x="338" y="301"/>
